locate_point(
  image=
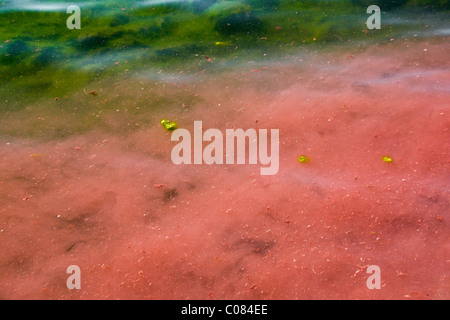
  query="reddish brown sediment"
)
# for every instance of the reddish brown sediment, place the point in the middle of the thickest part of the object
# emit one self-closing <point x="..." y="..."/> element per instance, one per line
<point x="141" y="227"/>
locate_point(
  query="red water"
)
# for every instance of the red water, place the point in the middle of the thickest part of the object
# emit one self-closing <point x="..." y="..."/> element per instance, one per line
<point x="141" y="227"/>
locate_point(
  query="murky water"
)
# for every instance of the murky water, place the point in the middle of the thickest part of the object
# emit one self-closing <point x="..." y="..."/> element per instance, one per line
<point x="87" y="177"/>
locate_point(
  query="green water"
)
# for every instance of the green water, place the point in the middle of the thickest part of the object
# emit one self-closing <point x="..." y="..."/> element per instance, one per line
<point x="41" y="59"/>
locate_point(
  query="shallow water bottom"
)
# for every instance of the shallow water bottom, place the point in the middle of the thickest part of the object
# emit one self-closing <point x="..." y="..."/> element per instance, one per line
<point x="109" y="199"/>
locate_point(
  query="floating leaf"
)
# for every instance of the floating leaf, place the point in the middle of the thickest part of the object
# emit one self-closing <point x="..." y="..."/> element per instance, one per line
<point x="386" y="159"/>
<point x="303" y="159"/>
<point x="223" y="43"/>
<point x="168" y="125"/>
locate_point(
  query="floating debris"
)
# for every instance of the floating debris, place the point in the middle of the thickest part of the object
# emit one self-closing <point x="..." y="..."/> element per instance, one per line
<point x="386" y="159"/>
<point x="303" y="159"/>
<point x="36" y="155"/>
<point x="223" y="43"/>
<point x="168" y="125"/>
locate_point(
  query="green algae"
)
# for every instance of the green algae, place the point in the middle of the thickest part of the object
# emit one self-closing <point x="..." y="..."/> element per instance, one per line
<point x="40" y="59"/>
<point x="37" y="40"/>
